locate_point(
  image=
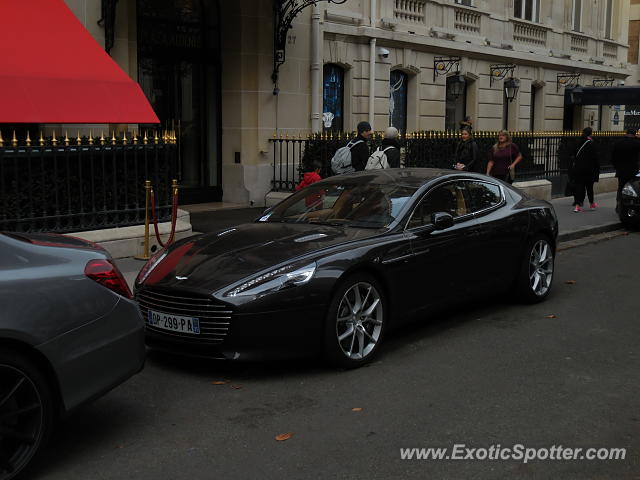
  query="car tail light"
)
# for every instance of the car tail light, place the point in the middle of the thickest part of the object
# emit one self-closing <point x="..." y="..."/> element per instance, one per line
<point x="107" y="274"/>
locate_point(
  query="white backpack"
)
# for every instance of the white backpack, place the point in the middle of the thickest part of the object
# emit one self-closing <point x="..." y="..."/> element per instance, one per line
<point x="341" y="161"/>
<point x="378" y="159"/>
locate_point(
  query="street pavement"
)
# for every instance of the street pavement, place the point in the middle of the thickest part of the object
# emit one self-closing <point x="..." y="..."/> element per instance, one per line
<point x="563" y="372"/>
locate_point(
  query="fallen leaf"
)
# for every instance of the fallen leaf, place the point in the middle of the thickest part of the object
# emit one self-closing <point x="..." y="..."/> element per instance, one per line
<point x="236" y="387"/>
<point x="551" y="316"/>
<point x="356" y="409"/>
<point x="284" y="436"/>
<point x="570" y="282"/>
<point x="220" y="382"/>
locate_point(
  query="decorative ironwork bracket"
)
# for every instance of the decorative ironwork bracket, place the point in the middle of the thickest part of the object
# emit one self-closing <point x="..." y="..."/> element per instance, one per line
<point x="108" y="22"/>
<point x="444" y="65"/>
<point x="603" y="82"/>
<point x="500" y="72"/>
<point x="284" y="13"/>
<point x="567" y="80"/>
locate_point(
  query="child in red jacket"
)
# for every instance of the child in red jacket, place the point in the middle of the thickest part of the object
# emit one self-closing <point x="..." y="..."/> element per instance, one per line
<point x="311" y="176"/>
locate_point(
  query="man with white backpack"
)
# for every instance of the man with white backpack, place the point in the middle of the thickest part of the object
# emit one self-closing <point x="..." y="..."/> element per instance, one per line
<point x="353" y="156"/>
<point x="387" y="155"/>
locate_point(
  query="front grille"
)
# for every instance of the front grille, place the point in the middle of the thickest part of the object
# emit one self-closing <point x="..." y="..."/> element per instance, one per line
<point x="215" y="318"/>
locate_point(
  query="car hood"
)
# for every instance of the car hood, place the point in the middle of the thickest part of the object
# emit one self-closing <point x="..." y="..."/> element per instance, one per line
<point x="215" y="260"/>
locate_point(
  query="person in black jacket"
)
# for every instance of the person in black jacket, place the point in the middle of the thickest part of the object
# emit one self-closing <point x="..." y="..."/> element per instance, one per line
<point x="585" y="171"/>
<point x="467" y="155"/>
<point x="391" y="140"/>
<point x="360" y="152"/>
<point x="625" y="160"/>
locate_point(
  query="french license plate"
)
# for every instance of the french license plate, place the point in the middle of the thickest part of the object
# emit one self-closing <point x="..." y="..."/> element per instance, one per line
<point x="175" y="323"/>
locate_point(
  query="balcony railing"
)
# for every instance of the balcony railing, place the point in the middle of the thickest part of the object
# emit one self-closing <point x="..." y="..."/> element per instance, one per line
<point x="529" y="34"/>
<point x="65" y="185"/>
<point x="467" y="21"/>
<point x="579" y="44"/>
<point x="610" y="50"/>
<point x="546" y="154"/>
<point x="410" y="11"/>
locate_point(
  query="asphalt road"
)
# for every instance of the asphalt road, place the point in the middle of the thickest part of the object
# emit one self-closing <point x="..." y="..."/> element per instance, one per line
<point x="485" y="374"/>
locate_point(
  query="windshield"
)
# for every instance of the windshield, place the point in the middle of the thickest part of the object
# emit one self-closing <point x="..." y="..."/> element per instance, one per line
<point x="363" y="205"/>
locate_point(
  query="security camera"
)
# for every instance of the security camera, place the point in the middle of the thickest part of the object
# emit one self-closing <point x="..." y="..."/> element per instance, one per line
<point x="383" y="52"/>
<point x="621" y="83"/>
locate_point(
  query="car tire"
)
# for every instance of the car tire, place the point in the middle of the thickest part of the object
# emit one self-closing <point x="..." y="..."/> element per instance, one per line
<point x="536" y="274"/>
<point x="354" y="328"/>
<point x="626" y="220"/>
<point x="26" y="413"/>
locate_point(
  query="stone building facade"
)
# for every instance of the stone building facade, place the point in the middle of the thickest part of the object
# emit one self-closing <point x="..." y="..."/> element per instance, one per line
<point x="207" y="67"/>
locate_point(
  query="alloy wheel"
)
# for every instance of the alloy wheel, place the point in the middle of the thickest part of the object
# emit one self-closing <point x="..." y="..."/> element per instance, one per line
<point x="359" y="320"/>
<point x="21" y="420"/>
<point x="541" y="267"/>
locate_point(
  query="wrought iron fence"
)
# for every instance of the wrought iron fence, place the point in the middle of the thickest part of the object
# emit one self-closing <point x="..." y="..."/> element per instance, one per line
<point x="64" y="185"/>
<point x="546" y="155"/>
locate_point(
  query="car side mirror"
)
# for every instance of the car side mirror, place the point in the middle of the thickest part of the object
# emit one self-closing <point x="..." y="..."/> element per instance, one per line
<point x="441" y="221"/>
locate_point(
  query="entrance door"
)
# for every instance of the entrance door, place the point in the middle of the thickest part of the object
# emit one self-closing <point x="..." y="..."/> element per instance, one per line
<point x="179" y="71"/>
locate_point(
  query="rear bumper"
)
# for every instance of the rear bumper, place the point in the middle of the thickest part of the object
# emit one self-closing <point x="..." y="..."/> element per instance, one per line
<point x="100" y="355"/>
<point x="273" y="335"/>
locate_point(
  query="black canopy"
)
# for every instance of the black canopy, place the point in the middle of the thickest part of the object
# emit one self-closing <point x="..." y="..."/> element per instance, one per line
<point x="602" y="96"/>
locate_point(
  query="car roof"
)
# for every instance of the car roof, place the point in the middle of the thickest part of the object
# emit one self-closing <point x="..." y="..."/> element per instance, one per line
<point x="410" y="177"/>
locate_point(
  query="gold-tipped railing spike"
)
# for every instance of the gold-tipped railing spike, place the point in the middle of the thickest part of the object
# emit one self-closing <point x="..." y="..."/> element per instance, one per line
<point x="156" y="140"/>
<point x="113" y="137"/>
<point x="78" y="139"/>
<point x="54" y="140"/>
<point x="102" y="141"/>
<point x="124" y="137"/>
<point x="90" y="137"/>
<point x="1" y="140"/>
<point x="41" y="141"/>
<point x="28" y="139"/>
<point x="134" y="139"/>
<point x="145" y="139"/>
<point x="14" y="140"/>
<point x="66" y="139"/>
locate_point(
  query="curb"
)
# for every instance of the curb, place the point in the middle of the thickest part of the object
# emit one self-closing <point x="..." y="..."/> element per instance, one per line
<point x="585" y="232"/>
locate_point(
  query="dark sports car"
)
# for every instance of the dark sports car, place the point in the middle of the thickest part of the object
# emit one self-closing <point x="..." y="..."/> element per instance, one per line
<point x="630" y="203"/>
<point x="334" y="266"/>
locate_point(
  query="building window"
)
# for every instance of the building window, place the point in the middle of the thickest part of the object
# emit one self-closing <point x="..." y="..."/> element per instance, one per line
<point x="577" y="15"/>
<point x="333" y="98"/>
<point x="455" y="105"/>
<point x="532" y="109"/>
<point x="527" y="10"/>
<point x="608" y="19"/>
<point x="466" y="3"/>
<point x="398" y="100"/>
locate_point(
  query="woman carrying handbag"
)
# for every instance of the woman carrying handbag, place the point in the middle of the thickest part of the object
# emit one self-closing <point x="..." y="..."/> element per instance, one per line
<point x="504" y="156"/>
<point x="585" y="171"/>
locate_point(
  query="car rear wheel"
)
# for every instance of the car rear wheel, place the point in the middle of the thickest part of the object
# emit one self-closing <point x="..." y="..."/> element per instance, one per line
<point x="536" y="272"/>
<point x="25" y="412"/>
<point x="355" y="322"/>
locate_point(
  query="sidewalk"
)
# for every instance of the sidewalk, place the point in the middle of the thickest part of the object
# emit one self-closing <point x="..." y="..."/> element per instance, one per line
<point x="588" y="222"/>
<point x="572" y="225"/>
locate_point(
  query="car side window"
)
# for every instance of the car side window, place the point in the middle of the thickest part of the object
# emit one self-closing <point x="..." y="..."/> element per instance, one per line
<point x="449" y="198"/>
<point x="483" y="195"/>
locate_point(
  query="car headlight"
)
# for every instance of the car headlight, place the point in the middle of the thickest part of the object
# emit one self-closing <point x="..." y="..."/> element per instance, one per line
<point x="150" y="265"/>
<point x="275" y="280"/>
<point x="629" y="191"/>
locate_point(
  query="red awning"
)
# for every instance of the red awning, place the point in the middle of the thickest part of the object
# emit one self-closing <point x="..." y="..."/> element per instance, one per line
<point x="53" y="71"/>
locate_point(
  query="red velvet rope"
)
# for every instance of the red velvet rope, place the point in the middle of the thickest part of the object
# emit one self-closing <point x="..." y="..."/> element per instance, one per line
<point x="174" y="218"/>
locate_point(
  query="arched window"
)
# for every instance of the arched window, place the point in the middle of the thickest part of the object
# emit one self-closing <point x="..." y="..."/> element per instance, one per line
<point x="333" y="98"/>
<point x="398" y="100"/>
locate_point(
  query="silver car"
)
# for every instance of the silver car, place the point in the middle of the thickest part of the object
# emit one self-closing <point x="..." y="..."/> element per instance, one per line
<point x="69" y="332"/>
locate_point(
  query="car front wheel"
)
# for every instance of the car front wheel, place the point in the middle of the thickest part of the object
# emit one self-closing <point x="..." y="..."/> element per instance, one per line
<point x="536" y="272"/>
<point x="355" y="322"/>
<point x="25" y="412"/>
